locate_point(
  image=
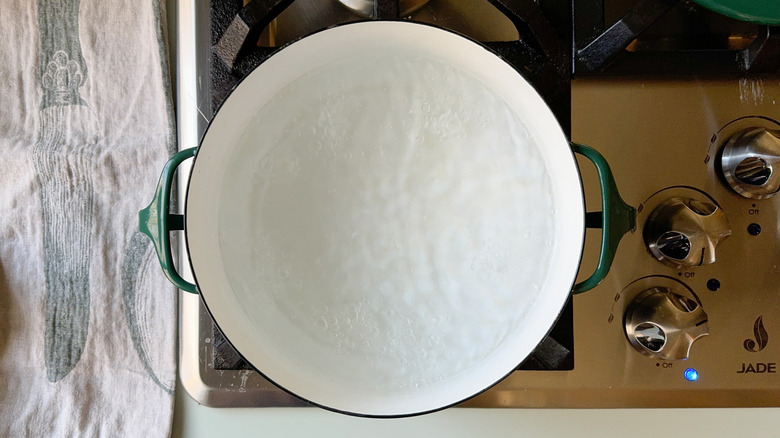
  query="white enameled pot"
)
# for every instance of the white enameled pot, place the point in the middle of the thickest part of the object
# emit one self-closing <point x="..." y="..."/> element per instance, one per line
<point x="384" y="218"/>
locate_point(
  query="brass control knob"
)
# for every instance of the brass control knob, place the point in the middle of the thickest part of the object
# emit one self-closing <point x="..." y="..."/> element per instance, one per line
<point x="748" y="161"/>
<point x="684" y="232"/>
<point x="662" y="324"/>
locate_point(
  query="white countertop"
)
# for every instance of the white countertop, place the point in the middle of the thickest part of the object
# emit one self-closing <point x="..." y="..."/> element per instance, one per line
<point x="192" y="420"/>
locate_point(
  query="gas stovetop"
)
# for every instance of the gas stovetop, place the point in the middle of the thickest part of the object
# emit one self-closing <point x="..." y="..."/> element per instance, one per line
<point x="661" y="88"/>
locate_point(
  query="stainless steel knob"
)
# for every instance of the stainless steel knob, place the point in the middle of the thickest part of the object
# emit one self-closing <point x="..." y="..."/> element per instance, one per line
<point x="684" y="232"/>
<point x="748" y="160"/>
<point x="662" y="324"/>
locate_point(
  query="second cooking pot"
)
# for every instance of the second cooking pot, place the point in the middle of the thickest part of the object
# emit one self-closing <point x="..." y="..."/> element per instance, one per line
<point x="385" y="218"/>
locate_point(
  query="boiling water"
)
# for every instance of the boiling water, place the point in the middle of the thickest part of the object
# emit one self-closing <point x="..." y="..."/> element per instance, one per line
<point x="387" y="220"/>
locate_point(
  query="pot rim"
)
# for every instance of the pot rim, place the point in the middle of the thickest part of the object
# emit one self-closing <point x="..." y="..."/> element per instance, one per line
<point x="213" y="303"/>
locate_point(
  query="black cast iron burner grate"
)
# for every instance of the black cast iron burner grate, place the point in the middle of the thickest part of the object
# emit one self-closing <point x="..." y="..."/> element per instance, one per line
<point x="542" y="53"/>
<point x="668" y="37"/>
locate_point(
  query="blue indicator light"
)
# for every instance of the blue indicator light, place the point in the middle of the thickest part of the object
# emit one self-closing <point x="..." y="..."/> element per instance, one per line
<point x="691" y="375"/>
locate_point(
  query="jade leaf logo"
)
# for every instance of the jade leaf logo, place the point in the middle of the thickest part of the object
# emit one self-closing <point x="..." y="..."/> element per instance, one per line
<point x="760" y="335"/>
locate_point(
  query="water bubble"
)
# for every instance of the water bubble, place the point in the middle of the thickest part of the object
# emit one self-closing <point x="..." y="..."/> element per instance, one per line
<point x="322" y="324"/>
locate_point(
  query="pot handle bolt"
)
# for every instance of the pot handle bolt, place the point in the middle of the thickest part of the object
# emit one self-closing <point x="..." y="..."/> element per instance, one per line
<point x="156" y="222"/>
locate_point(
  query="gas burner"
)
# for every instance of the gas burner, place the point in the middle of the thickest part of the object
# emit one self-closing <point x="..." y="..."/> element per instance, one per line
<point x="532" y="47"/>
<point x="367" y="8"/>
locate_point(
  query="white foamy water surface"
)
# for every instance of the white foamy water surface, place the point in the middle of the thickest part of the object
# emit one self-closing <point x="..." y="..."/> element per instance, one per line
<point x="387" y="221"/>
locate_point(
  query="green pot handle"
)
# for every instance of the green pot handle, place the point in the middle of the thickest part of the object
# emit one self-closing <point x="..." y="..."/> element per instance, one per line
<point x="616" y="218"/>
<point x="156" y="222"/>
